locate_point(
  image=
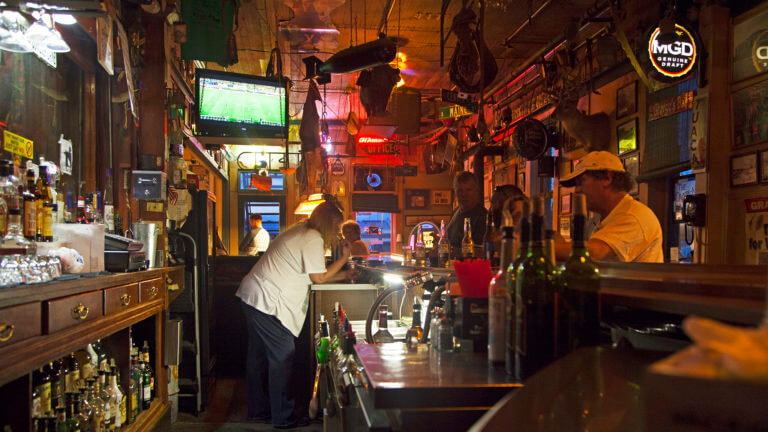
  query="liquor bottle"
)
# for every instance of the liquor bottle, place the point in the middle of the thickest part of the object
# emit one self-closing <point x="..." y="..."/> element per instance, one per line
<point x="549" y="247"/>
<point x="105" y="394"/>
<point x="443" y="248"/>
<point x="84" y="409"/>
<point x="8" y="190"/>
<point x="335" y="327"/>
<point x="498" y="303"/>
<point x="44" y="206"/>
<point x="524" y="230"/>
<point x="109" y="207"/>
<point x="97" y="208"/>
<point x="83" y="358"/>
<point x="73" y="412"/>
<point x="467" y="245"/>
<point x="414" y="334"/>
<point x="534" y="303"/>
<point x="420" y="251"/>
<point x="31" y="196"/>
<point x="98" y="420"/>
<point x="4" y="204"/>
<point x="61" y="419"/>
<point x="489" y="242"/>
<point x="146" y="397"/>
<point x="134" y="389"/>
<point x="117" y="399"/>
<point x="578" y="305"/>
<point x="90" y="210"/>
<point x="43" y="387"/>
<point x="349" y="363"/>
<point x="81" y="216"/>
<point x="54" y="371"/>
<point x="383" y="335"/>
<point x="73" y="377"/>
<point x="148" y="366"/>
<point x="100" y="357"/>
<point x="14" y="241"/>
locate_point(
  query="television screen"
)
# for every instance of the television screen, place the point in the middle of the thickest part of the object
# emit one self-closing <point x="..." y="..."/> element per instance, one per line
<point x="240" y="106"/>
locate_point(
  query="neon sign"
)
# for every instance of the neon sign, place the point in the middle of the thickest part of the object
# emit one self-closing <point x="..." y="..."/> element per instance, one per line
<point x="760" y="52"/>
<point x="672" y="59"/>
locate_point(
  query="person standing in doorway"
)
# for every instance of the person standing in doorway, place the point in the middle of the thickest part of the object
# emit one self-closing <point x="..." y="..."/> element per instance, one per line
<point x="257" y="239"/>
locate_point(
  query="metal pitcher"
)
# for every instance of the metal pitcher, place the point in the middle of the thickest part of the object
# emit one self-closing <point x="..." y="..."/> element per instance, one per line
<point x="147" y="234"/>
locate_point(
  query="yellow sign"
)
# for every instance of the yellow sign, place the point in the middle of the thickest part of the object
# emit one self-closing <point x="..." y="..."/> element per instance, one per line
<point x="18" y="144"/>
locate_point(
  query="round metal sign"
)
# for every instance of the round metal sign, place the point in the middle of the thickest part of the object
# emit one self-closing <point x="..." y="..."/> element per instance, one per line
<point x="674" y="55"/>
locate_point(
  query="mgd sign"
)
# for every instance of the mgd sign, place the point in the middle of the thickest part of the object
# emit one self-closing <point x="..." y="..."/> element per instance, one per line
<point x="673" y="59"/>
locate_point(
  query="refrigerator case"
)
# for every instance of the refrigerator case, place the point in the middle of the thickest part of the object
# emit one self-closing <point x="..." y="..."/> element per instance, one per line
<point x="200" y="225"/>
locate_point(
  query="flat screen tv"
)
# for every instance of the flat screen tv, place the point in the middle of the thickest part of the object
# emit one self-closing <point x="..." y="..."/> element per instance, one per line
<point x="236" y="106"/>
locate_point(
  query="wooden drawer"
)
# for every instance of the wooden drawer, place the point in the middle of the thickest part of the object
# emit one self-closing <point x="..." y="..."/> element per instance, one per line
<point x="120" y="298"/>
<point x="20" y="322"/>
<point x="69" y="311"/>
<point x="152" y="289"/>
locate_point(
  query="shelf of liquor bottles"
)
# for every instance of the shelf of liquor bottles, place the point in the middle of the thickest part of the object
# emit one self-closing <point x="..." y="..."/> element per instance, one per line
<point x="45" y="324"/>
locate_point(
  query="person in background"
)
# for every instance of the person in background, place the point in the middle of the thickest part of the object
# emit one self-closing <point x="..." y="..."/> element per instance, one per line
<point x="257" y="239"/>
<point x="350" y="230"/>
<point x="628" y="230"/>
<point x="275" y="300"/>
<point x="467" y="190"/>
<point x="500" y="196"/>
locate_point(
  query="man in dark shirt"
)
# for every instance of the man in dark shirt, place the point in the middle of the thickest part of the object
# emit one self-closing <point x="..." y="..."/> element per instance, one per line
<point x="467" y="190"/>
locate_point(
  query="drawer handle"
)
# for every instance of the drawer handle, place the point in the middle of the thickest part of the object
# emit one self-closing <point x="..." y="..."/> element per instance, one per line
<point x="80" y="312"/>
<point x="6" y="332"/>
<point x="153" y="291"/>
<point x="125" y="299"/>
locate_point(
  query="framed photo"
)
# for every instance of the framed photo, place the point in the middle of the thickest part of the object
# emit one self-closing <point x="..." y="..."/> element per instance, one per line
<point x="744" y="169"/>
<point x="104" y="36"/>
<point x="750" y="125"/>
<point x="749" y="37"/>
<point x="626" y="100"/>
<point x="565" y="203"/>
<point x="565" y="227"/>
<point x="632" y="165"/>
<point x="626" y="134"/>
<point x="764" y="166"/>
<point x="416" y="199"/>
<point x="441" y="197"/>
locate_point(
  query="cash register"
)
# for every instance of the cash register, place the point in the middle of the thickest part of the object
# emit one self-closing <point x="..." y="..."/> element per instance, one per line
<point x="122" y="254"/>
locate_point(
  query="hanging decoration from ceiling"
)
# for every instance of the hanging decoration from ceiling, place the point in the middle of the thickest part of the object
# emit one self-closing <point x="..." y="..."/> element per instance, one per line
<point x="311" y="28"/>
<point x="375" y="87"/>
<point x="472" y="65"/>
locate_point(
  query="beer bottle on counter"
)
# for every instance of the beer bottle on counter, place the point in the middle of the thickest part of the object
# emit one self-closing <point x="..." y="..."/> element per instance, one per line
<point x="524" y="229"/>
<point x="383" y="335"/>
<point x="498" y="302"/>
<point x="467" y="245"/>
<point x="534" y="303"/>
<point x="489" y="241"/>
<point x="578" y="306"/>
<point x="443" y="248"/>
<point x="420" y="250"/>
<point x="413" y="335"/>
<point x="30" y="207"/>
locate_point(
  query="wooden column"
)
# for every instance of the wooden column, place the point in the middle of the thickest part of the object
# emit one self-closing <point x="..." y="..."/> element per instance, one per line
<point x="715" y="31"/>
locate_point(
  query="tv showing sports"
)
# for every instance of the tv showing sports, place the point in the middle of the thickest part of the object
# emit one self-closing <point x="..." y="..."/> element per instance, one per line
<point x="237" y="106"/>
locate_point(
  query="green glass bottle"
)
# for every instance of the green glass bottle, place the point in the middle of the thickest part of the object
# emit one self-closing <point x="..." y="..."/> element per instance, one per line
<point x="578" y="306"/>
<point x="534" y="303"/>
<point x="524" y="230"/>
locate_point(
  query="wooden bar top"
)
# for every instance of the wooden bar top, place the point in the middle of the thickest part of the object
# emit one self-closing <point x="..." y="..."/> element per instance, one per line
<point x="61" y="288"/>
<point x="428" y="379"/>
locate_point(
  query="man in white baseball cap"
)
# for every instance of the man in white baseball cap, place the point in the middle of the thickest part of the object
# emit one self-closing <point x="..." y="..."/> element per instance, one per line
<point x="628" y="231"/>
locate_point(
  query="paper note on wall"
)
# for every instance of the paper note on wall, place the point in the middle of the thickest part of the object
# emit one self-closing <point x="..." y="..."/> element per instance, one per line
<point x="65" y="155"/>
<point x="756" y="226"/>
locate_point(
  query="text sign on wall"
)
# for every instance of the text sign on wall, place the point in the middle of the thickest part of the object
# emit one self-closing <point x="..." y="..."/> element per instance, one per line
<point x="454" y="112"/>
<point x="756" y="227"/>
<point x="672" y="106"/>
<point x="673" y="57"/>
<point x="18" y="144"/>
<point x="697" y="142"/>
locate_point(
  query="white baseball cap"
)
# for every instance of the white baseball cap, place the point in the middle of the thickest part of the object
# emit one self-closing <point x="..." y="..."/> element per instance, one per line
<point x="594" y="161"/>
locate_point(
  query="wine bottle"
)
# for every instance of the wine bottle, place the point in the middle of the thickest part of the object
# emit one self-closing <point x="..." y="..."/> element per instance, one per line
<point x="534" y="303"/>
<point x="524" y="230"/>
<point x="498" y="303"/>
<point x="578" y="317"/>
<point x="489" y="241"/>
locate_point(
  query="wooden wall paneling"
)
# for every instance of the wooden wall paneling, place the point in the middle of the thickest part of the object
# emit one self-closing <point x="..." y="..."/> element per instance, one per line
<point x="90" y="136"/>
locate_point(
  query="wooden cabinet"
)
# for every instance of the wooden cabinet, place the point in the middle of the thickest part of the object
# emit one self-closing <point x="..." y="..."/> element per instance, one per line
<point x="18" y="323"/>
<point x="120" y="298"/>
<point x="66" y="312"/>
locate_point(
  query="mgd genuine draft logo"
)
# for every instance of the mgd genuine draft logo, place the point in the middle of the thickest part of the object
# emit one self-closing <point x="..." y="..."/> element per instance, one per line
<point x="673" y="59"/>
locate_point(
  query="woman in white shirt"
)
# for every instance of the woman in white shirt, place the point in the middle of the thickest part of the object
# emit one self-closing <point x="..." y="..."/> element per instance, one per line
<point x="275" y="296"/>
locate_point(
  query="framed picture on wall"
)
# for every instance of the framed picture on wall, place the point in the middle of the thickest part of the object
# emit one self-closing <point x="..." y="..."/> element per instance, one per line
<point x="416" y="199"/>
<point x="626" y="135"/>
<point x="565" y="227"/>
<point x="565" y="203"/>
<point x="744" y="169"/>
<point x="750" y="32"/>
<point x="632" y="165"/>
<point x="441" y="197"/>
<point x="750" y="124"/>
<point x="626" y="100"/>
<point x="763" y="166"/>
